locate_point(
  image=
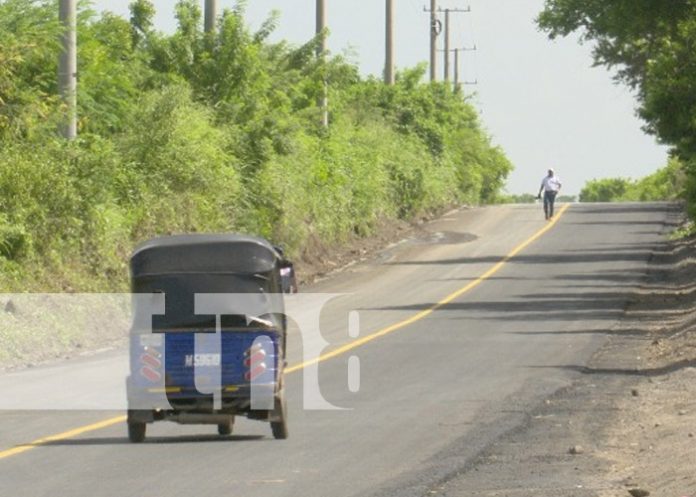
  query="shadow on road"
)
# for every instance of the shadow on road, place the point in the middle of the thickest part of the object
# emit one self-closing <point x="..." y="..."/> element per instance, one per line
<point x="584" y="257"/>
<point x="154" y="440"/>
<point x="633" y="208"/>
<point x="646" y="372"/>
<point x="624" y="223"/>
<point x="597" y="283"/>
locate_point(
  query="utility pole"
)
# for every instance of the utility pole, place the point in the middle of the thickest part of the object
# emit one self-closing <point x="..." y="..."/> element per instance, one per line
<point x="435" y="28"/>
<point x="447" y="37"/>
<point x="67" y="67"/>
<point x="389" y="44"/>
<point x="456" y="69"/>
<point x="457" y="83"/>
<point x="321" y="25"/>
<point x="447" y="44"/>
<point x="457" y="51"/>
<point x="211" y="14"/>
<point x="321" y="53"/>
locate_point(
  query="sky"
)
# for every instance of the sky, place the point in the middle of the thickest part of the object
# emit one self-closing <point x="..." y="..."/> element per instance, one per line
<point x="541" y="101"/>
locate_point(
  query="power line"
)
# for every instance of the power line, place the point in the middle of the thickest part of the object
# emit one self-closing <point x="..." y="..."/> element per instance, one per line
<point x="447" y="36"/>
<point x="457" y="51"/>
<point x="456" y="66"/>
<point x="435" y="30"/>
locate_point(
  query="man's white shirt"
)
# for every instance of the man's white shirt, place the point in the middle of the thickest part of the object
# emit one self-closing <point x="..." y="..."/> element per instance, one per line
<point x="551" y="183"/>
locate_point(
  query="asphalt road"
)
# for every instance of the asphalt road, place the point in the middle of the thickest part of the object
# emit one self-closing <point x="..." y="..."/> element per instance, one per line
<point x="492" y="316"/>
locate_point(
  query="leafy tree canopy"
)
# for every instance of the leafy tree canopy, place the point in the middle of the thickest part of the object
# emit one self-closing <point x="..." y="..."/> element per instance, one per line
<point x="652" y="46"/>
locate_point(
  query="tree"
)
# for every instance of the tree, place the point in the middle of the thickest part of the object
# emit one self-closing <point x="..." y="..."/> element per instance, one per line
<point x="667" y="183"/>
<point x="652" y="45"/>
<point x="29" y="35"/>
<point x="142" y="13"/>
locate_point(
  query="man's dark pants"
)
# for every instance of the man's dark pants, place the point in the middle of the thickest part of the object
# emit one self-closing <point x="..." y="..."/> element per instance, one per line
<point x="549" y="199"/>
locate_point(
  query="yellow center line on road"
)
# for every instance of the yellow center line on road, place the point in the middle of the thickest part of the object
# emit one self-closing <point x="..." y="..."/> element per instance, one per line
<point x="18" y="449"/>
<point x="425" y="313"/>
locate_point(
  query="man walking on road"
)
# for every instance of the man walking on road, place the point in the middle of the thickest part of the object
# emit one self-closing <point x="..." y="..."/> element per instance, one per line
<point x="550" y="185"/>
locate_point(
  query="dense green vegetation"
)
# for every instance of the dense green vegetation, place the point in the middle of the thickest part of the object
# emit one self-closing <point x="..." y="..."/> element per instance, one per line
<point x="651" y="45"/>
<point x="667" y="183"/>
<point x="210" y="132"/>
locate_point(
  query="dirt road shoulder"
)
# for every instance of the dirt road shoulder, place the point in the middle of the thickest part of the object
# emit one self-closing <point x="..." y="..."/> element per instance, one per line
<point x="627" y="424"/>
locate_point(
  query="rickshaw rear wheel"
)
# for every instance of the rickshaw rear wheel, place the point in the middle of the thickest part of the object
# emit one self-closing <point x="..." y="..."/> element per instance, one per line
<point x="225" y="428"/>
<point x="136" y="431"/>
<point x="280" y="427"/>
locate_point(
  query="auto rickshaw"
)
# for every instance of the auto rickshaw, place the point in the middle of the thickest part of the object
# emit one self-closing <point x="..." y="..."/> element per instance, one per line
<point x="208" y="337"/>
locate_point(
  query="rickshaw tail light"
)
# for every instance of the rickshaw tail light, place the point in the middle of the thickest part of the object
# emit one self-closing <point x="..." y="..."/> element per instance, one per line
<point x="150" y="374"/>
<point x="256" y="357"/>
<point x="255" y="373"/>
<point x="153" y="351"/>
<point x="255" y="362"/>
<point x="150" y="360"/>
<point x="254" y="349"/>
<point x="150" y="364"/>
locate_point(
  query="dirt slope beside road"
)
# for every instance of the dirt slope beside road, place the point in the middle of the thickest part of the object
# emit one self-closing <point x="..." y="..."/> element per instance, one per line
<point x="652" y="444"/>
<point x="627" y="425"/>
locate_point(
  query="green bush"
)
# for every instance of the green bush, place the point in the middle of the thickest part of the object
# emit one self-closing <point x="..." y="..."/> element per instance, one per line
<point x="605" y="190"/>
<point x="14" y="240"/>
<point x="669" y="183"/>
<point x="196" y="132"/>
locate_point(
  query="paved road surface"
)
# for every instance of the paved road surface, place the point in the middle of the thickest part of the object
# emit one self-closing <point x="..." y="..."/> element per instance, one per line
<point x="432" y="393"/>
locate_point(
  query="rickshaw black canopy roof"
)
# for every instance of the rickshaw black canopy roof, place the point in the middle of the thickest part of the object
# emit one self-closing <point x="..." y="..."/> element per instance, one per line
<point x="198" y="253"/>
